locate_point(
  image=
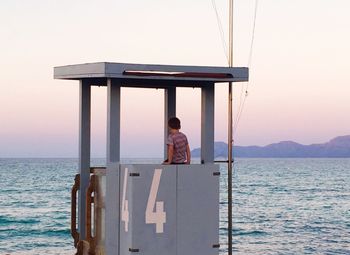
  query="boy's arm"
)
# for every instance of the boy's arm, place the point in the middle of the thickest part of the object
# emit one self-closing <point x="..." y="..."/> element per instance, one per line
<point x="170" y="154"/>
<point x="188" y="154"/>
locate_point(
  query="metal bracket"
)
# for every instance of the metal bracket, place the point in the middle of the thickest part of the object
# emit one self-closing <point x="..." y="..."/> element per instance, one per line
<point x="134" y="250"/>
<point x="134" y="174"/>
<point x="216" y="173"/>
<point x="216" y="245"/>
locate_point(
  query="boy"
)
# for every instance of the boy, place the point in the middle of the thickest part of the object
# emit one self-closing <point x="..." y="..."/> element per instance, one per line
<point x="178" y="147"/>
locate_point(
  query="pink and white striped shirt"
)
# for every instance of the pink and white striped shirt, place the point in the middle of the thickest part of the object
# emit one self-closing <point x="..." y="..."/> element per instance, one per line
<point x="179" y="141"/>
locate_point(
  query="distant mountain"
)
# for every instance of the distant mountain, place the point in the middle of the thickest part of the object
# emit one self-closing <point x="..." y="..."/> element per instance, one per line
<point x="338" y="147"/>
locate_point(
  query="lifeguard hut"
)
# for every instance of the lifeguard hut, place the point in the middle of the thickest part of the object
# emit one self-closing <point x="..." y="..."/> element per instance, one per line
<point x="148" y="209"/>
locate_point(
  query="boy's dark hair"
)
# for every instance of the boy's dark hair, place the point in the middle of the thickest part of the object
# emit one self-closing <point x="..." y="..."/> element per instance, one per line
<point x="174" y="123"/>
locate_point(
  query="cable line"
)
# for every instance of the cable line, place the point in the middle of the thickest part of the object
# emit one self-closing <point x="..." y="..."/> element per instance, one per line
<point x="250" y="57"/>
<point x="221" y="30"/>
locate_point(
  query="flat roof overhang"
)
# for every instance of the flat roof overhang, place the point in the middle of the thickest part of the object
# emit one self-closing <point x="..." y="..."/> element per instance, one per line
<point x="151" y="76"/>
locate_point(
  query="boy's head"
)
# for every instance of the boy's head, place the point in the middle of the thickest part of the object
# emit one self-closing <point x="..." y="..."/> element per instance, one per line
<point x="174" y="123"/>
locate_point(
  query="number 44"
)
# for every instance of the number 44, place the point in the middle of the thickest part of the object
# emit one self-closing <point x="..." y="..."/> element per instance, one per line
<point x="158" y="216"/>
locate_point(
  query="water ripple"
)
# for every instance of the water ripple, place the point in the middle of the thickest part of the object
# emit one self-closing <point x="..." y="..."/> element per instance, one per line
<point x="281" y="206"/>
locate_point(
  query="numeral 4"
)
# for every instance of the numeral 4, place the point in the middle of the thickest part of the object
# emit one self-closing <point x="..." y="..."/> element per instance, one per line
<point x="125" y="203"/>
<point x="158" y="216"/>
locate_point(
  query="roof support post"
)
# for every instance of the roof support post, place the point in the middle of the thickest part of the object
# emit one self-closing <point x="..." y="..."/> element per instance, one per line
<point x="169" y="111"/>
<point x="84" y="151"/>
<point x="207" y="123"/>
<point x="113" y="165"/>
<point x="113" y="120"/>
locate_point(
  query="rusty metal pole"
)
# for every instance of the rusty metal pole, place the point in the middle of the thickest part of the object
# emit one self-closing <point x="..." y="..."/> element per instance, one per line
<point x="230" y="135"/>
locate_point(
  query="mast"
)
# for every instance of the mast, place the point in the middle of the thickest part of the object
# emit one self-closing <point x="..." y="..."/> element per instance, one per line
<point x="230" y="135"/>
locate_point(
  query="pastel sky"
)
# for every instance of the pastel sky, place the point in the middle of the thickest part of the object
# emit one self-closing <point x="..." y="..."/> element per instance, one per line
<point x="299" y="85"/>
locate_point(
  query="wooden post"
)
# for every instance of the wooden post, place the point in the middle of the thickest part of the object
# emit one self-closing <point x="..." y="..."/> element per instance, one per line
<point x="169" y="111"/>
<point x="113" y="121"/>
<point x="113" y="167"/>
<point x="84" y="151"/>
<point x="207" y="123"/>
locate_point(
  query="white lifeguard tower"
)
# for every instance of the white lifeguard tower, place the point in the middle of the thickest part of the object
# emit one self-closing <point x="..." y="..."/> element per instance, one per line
<point x="142" y="208"/>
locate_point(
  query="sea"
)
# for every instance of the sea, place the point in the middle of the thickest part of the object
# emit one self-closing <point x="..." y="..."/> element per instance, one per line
<point x="280" y="206"/>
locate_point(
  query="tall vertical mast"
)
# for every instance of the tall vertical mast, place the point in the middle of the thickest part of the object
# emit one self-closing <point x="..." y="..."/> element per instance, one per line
<point x="231" y="33"/>
<point x="230" y="138"/>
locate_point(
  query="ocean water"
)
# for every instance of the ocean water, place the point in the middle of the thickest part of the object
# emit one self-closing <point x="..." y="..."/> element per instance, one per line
<point x="281" y="206"/>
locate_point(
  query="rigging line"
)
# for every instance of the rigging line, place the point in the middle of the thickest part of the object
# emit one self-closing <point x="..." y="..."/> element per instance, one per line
<point x="239" y="106"/>
<point x="253" y="34"/>
<point x="250" y="57"/>
<point x="240" y="112"/>
<point x="221" y="30"/>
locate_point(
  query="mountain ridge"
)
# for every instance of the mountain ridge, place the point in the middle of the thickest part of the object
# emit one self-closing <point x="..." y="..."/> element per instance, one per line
<point x="338" y="147"/>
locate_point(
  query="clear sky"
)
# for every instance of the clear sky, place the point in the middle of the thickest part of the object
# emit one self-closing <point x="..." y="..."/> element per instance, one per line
<point x="299" y="88"/>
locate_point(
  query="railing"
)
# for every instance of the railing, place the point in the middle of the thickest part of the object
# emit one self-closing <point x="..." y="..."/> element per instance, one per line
<point x="95" y="213"/>
<point x="90" y="201"/>
<point x="73" y="223"/>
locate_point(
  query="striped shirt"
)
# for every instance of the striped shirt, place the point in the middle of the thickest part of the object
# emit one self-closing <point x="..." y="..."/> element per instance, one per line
<point x="179" y="141"/>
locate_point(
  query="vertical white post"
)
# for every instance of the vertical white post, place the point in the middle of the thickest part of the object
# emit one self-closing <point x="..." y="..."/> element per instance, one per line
<point x="207" y="123"/>
<point x="84" y="151"/>
<point x="169" y="111"/>
<point x="113" y="121"/>
<point x="112" y="220"/>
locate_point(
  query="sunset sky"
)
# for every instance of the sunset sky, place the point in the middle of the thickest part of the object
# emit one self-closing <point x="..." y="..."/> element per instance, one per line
<point x="299" y="78"/>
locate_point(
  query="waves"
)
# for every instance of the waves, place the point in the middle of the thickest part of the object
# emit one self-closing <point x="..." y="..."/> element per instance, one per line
<point x="34" y="206"/>
<point x="297" y="206"/>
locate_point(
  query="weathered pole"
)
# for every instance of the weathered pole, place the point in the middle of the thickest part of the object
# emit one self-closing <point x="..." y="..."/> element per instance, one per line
<point x="230" y="134"/>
